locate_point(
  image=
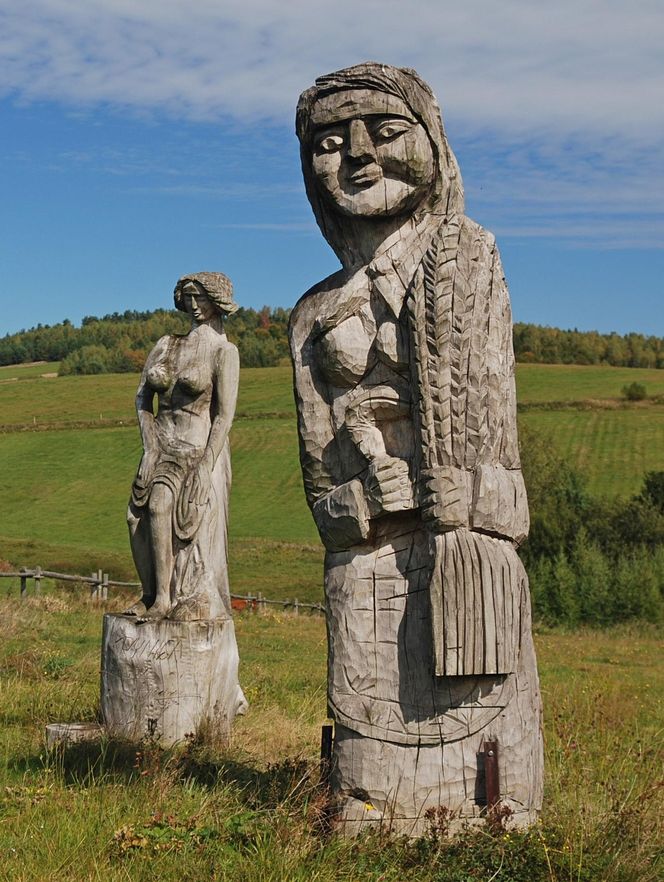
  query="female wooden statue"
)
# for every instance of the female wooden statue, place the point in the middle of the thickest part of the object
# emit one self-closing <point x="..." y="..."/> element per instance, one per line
<point x="178" y="512"/>
<point x="404" y="377"/>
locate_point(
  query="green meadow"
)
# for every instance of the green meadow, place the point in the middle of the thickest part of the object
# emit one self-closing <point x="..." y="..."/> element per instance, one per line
<point x="253" y="810"/>
<point x="69" y="447"/>
<point x="42" y="401"/>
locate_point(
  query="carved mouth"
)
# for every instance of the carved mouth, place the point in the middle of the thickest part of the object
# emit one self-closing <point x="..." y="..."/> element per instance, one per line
<point x="365" y="177"/>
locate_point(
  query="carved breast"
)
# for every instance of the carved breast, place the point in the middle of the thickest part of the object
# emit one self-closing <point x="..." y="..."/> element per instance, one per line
<point x="350" y="350"/>
<point x="159" y="377"/>
<point x="344" y="352"/>
<point x="176" y="372"/>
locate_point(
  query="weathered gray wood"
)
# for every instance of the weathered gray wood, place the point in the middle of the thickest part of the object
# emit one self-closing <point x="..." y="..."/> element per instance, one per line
<point x="404" y="385"/>
<point x="178" y="512"/>
<point x="62" y="734"/>
<point x="166" y="680"/>
<point x="170" y="664"/>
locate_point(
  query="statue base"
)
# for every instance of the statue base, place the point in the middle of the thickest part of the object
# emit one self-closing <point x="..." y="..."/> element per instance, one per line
<point x="166" y="681"/>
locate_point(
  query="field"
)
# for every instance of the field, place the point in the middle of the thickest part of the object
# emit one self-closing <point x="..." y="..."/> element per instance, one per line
<point x="251" y="811"/>
<point x="69" y="447"/>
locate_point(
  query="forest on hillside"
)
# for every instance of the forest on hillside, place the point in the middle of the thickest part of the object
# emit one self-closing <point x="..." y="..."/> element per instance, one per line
<point x="119" y="342"/>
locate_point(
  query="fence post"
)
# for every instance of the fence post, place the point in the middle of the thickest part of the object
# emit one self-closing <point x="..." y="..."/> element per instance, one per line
<point x="104" y="590"/>
<point x="24" y="583"/>
<point x="38" y="575"/>
<point x="93" y="587"/>
<point x="297" y="607"/>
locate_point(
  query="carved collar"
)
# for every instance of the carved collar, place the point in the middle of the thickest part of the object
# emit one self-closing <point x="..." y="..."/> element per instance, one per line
<point x="391" y="271"/>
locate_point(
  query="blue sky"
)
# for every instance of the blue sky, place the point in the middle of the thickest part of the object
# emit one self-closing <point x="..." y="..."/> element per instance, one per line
<point x="141" y="141"/>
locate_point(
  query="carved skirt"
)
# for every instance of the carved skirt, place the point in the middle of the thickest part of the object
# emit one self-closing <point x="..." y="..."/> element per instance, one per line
<point x="381" y="680"/>
<point x="201" y="562"/>
<point x="407" y="739"/>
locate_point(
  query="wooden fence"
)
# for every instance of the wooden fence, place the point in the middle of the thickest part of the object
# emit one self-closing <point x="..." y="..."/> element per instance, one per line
<point x="99" y="583"/>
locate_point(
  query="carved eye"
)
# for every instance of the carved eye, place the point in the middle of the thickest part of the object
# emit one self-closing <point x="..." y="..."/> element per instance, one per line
<point x="329" y="143"/>
<point x="391" y="128"/>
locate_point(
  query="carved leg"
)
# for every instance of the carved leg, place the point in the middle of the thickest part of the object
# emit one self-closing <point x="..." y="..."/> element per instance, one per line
<point x="138" y="520"/>
<point x="161" y="537"/>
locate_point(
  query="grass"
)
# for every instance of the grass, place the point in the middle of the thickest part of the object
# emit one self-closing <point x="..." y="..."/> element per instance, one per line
<point x="11" y="372"/>
<point x="43" y="401"/>
<point x="60" y="492"/>
<point x="251" y="810"/>
<point x="611" y="448"/>
<point x="88" y="399"/>
<point x="538" y="383"/>
<point x="68" y="487"/>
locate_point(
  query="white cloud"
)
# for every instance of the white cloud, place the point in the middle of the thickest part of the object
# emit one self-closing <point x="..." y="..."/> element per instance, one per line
<point x="516" y="65"/>
<point x="558" y="105"/>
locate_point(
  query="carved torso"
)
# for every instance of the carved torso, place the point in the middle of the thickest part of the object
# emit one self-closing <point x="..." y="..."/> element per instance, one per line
<point x="180" y="371"/>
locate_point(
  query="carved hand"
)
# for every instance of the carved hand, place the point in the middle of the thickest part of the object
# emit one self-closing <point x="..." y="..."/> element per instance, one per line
<point x="388" y="486"/>
<point x="198" y="485"/>
<point x="145" y="469"/>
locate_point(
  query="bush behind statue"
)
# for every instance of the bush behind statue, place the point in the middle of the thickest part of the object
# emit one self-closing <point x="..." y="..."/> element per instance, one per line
<point x="591" y="561"/>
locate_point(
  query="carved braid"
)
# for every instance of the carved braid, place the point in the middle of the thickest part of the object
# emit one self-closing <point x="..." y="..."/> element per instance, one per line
<point x="460" y="346"/>
<point x="416" y="304"/>
<point x="439" y="287"/>
<point x="475" y="351"/>
<point x="430" y="308"/>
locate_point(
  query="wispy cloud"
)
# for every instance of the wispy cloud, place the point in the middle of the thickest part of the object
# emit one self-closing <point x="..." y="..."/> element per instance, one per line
<point x="518" y="65"/>
<point x="555" y="109"/>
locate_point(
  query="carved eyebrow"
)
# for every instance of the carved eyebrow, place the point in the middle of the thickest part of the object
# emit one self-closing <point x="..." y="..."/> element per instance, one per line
<point x="375" y="117"/>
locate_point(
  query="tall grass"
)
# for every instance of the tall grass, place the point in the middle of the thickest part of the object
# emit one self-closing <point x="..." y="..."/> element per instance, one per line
<point x="253" y="810"/>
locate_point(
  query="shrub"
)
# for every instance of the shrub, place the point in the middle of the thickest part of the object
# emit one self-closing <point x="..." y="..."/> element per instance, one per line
<point x="635" y="392"/>
<point x="591" y="561"/>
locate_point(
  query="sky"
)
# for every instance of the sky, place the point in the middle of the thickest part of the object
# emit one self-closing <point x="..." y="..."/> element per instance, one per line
<point x="140" y="141"/>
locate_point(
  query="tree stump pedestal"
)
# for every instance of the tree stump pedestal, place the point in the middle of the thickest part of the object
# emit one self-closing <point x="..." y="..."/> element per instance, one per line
<point x="168" y="680"/>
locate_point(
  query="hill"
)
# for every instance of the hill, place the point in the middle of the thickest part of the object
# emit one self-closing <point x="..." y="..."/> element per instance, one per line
<point x="120" y="342"/>
<point x="70" y="446"/>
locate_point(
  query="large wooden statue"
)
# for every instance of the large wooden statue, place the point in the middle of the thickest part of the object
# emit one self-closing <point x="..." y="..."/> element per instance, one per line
<point x="404" y="382"/>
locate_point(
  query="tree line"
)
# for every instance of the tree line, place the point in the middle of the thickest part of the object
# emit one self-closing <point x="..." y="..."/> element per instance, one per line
<point x="543" y="345"/>
<point x="120" y="342"/>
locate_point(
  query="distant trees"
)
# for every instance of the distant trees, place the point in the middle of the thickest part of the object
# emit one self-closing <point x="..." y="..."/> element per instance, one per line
<point x="543" y="345"/>
<point x="121" y="341"/>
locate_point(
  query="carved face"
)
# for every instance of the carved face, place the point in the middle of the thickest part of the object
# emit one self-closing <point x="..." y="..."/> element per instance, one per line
<point x="370" y="156"/>
<point x="197" y="303"/>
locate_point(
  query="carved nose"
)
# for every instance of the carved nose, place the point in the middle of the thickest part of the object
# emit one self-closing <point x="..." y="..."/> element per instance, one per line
<point x="360" y="145"/>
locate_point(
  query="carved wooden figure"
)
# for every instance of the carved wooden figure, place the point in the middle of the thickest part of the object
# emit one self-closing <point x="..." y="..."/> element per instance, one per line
<point x="404" y="383"/>
<point x="170" y="663"/>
